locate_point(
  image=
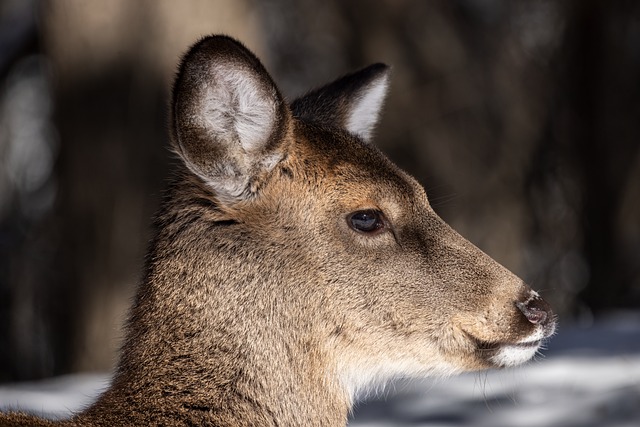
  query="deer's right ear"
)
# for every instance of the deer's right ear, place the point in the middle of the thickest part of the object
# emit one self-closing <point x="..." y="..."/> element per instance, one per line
<point x="352" y="102"/>
<point x="229" y="119"/>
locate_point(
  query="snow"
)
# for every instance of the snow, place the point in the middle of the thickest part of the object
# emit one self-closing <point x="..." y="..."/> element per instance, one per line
<point x="53" y="398"/>
<point x="563" y="391"/>
<point x="588" y="377"/>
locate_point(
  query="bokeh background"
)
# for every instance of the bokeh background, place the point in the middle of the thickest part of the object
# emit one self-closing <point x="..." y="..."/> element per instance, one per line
<point x="520" y="117"/>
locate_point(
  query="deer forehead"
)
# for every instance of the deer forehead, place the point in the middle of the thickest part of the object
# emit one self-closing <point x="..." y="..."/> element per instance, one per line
<point x="337" y="172"/>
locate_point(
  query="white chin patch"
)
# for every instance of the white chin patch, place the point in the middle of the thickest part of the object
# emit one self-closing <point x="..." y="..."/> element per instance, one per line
<point x="516" y="354"/>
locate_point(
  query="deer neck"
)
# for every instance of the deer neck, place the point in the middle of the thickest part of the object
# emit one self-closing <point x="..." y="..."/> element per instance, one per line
<point x="236" y="382"/>
<point x="226" y="367"/>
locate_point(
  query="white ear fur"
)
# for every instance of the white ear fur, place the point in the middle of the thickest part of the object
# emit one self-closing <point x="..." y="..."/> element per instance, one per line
<point x="365" y="109"/>
<point x="237" y="109"/>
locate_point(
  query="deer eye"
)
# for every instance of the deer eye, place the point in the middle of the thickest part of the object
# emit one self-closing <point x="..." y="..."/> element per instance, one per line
<point x="368" y="221"/>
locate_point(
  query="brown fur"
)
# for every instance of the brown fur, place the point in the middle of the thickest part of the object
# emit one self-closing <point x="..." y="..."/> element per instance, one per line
<point x="262" y="306"/>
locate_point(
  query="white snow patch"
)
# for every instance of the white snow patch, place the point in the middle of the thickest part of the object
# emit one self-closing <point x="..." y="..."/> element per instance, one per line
<point x="54" y="398"/>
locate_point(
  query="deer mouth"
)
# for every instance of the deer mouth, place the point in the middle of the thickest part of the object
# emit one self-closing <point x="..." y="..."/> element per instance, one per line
<point x="537" y="324"/>
<point x="506" y="354"/>
<point x="515" y="354"/>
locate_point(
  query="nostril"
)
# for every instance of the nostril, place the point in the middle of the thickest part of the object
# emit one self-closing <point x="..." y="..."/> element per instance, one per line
<point x="536" y="310"/>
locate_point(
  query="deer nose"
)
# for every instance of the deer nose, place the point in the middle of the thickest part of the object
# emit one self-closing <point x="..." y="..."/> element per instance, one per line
<point x="536" y="310"/>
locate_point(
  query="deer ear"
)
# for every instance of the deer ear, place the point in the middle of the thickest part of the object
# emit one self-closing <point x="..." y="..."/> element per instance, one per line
<point x="229" y="118"/>
<point x="352" y="102"/>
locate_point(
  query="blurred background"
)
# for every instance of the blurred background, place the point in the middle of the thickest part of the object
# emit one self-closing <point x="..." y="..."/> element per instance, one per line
<point x="520" y="117"/>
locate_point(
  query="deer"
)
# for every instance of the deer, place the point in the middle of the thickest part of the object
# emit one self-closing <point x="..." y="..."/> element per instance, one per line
<point x="294" y="266"/>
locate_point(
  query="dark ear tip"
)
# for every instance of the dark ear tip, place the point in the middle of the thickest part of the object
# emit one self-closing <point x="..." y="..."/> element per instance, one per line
<point x="217" y="42"/>
<point x="219" y="45"/>
<point x="378" y="69"/>
<point x="381" y="66"/>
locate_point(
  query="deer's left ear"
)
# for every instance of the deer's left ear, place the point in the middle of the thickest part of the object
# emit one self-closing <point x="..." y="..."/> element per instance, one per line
<point x="352" y="103"/>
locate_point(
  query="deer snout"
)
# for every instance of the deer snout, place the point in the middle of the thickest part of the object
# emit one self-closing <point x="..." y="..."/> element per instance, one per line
<point x="538" y="314"/>
<point x="536" y="310"/>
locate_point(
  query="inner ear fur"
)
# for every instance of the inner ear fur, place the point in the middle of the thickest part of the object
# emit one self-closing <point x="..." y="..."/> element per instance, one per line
<point x="352" y="102"/>
<point x="229" y="119"/>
